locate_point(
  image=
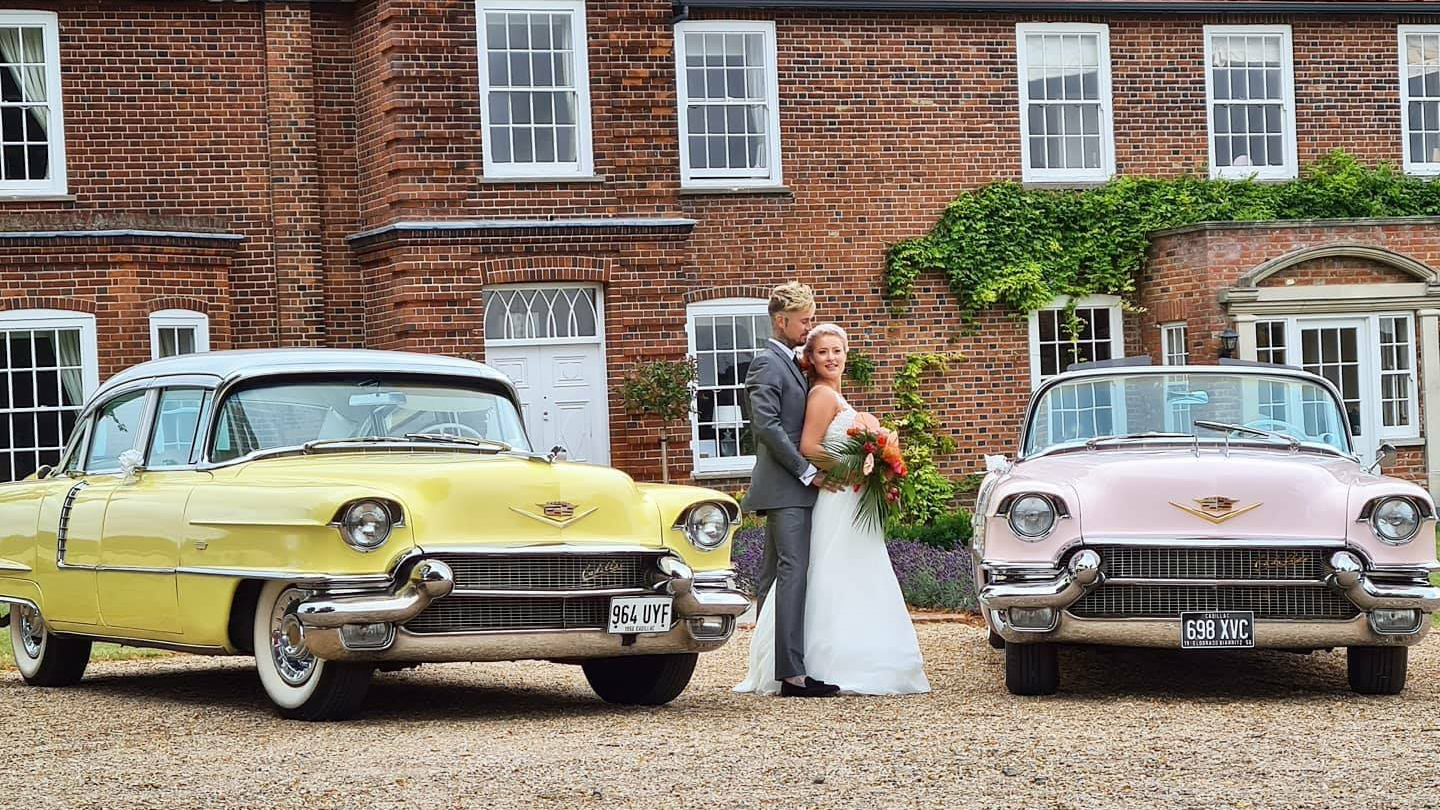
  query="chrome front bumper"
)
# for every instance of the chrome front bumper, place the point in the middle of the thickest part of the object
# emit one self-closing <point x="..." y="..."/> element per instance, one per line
<point x="705" y="608"/>
<point x="1084" y="573"/>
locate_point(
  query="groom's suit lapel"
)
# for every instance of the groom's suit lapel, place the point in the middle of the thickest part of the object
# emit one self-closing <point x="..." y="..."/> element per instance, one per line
<point x="788" y="360"/>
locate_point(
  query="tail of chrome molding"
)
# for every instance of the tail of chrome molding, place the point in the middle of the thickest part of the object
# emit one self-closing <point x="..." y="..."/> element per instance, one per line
<point x="1349" y="578"/>
<point x="428" y="581"/>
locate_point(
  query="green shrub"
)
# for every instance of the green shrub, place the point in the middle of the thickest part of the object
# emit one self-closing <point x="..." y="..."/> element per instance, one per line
<point x="947" y="531"/>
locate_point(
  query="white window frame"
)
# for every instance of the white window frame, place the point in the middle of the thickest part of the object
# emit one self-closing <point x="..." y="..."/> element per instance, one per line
<point x="1370" y="387"/>
<point x="179" y="319"/>
<point x="57" y="185"/>
<point x="1107" y="118"/>
<point x="1411" y="165"/>
<point x="584" y="166"/>
<point x="688" y="179"/>
<point x="1169" y="331"/>
<point x="737" y="465"/>
<point x="21" y="319"/>
<point x="1290" y="169"/>
<point x="1117" y="324"/>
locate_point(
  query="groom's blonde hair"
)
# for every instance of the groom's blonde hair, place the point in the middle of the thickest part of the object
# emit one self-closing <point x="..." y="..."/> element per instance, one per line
<point x="791" y="297"/>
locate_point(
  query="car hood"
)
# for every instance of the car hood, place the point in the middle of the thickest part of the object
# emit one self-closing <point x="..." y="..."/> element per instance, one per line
<point x="1171" y="493"/>
<point x="453" y="499"/>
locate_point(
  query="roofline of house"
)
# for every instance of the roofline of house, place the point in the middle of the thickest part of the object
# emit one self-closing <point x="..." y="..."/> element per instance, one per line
<point x="682" y="7"/>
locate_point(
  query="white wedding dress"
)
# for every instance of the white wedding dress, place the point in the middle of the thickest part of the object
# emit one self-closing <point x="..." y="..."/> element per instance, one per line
<point x="858" y="634"/>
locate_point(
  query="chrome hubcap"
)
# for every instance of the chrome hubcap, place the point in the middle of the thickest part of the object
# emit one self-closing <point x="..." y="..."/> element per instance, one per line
<point x="32" y="631"/>
<point x="293" y="660"/>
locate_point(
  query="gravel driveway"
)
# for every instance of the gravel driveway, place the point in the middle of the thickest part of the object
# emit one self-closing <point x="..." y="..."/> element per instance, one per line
<point x="1131" y="729"/>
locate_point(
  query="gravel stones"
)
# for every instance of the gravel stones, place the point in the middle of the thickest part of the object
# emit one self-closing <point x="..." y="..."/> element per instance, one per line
<point x="1130" y="728"/>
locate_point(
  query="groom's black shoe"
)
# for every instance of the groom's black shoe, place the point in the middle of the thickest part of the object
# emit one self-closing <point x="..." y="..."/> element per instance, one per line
<point x="812" y="688"/>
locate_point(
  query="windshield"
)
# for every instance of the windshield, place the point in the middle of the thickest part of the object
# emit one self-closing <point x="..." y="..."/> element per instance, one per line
<point x="1129" y="404"/>
<point x="289" y="414"/>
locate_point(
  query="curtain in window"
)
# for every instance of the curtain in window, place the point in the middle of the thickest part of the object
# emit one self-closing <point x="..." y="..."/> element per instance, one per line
<point x="72" y="384"/>
<point x="19" y="45"/>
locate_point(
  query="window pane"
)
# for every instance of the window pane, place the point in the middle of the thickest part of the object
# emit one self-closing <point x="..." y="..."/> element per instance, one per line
<point x="176" y="421"/>
<point x="116" y="430"/>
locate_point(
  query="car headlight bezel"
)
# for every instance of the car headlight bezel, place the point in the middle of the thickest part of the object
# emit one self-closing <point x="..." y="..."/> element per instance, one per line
<point x="366" y="524"/>
<point x="1028" y="504"/>
<point x="706" y="525"/>
<point x="1377" y="520"/>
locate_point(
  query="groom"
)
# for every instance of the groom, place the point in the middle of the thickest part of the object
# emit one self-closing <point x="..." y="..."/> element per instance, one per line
<point x="783" y="484"/>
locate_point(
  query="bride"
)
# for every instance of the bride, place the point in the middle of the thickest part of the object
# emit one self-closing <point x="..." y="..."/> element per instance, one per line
<point x="858" y="634"/>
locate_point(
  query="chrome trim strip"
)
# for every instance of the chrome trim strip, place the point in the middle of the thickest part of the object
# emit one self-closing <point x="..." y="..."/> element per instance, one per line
<point x="347" y="580"/>
<point x="1165" y="633"/>
<point x="555" y="594"/>
<point x="18" y="600"/>
<point x="11" y="565"/>
<point x="1259" y="583"/>
<point x="1217" y="542"/>
<point x="545" y="547"/>
<point x="197" y="649"/>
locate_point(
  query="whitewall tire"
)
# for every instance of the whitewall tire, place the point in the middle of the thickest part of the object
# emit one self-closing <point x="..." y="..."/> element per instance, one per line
<point x="302" y="686"/>
<point x="43" y="658"/>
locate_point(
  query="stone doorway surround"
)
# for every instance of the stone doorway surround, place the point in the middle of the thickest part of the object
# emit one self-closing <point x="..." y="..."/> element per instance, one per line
<point x="1248" y="301"/>
<point x="1213" y="275"/>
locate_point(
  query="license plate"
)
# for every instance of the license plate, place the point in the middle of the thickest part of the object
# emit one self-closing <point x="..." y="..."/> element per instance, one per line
<point x="1217" y="630"/>
<point x="640" y="614"/>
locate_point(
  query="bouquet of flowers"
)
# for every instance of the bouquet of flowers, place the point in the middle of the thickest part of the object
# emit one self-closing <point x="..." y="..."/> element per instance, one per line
<point x="869" y="461"/>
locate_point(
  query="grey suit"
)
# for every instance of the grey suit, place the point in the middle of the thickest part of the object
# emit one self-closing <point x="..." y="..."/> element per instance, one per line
<point x="777" y="392"/>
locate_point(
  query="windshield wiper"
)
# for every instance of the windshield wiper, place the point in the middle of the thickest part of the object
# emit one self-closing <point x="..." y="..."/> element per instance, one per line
<point x="316" y="443"/>
<point x="473" y="441"/>
<point x="1227" y="429"/>
<point x="1091" y="443"/>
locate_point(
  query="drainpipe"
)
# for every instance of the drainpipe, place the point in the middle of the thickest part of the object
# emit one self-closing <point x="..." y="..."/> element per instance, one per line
<point x="681" y="9"/>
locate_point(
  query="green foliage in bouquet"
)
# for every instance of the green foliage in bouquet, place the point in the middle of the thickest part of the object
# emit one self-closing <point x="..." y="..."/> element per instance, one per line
<point x="871" y="462"/>
<point x="1018" y="248"/>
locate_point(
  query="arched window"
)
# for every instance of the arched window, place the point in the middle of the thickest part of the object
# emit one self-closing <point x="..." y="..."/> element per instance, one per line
<point x="178" y="331"/>
<point x="48" y="364"/>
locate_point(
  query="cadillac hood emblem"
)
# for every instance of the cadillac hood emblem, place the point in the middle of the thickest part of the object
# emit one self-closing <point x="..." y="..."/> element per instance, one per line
<point x="555" y="513"/>
<point x="1216" y="508"/>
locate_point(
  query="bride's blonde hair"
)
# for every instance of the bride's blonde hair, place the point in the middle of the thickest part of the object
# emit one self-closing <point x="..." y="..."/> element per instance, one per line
<point x="814" y="336"/>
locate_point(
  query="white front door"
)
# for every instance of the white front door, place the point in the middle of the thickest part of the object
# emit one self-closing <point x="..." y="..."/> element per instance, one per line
<point x="549" y="341"/>
<point x="1339" y="350"/>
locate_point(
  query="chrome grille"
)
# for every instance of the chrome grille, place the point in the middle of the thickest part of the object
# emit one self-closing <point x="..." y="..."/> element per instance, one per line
<point x="1169" y="601"/>
<point x="473" y="614"/>
<point x="548" y="572"/>
<point x="1139" y="562"/>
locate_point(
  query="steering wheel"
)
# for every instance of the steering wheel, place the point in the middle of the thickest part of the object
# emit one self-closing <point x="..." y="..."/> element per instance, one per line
<point x="454" y="429"/>
<point x="1278" y="426"/>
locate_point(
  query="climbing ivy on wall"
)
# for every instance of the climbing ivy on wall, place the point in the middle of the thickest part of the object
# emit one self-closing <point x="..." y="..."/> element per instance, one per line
<point x="1018" y="248"/>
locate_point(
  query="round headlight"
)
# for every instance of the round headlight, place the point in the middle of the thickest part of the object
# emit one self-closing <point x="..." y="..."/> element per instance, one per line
<point x="1032" y="516"/>
<point x="366" y="524"/>
<point x="1395" y="520"/>
<point x="707" y="525"/>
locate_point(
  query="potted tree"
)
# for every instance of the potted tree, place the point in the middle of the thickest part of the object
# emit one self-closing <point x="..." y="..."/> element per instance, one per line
<point x="664" y="389"/>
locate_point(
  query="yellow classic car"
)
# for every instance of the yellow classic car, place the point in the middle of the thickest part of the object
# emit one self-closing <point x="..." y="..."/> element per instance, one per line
<point x="334" y="511"/>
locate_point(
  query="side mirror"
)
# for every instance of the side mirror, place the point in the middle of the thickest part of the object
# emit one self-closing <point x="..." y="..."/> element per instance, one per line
<point x="44" y="472"/>
<point x="558" y="453"/>
<point x="1385" y="457"/>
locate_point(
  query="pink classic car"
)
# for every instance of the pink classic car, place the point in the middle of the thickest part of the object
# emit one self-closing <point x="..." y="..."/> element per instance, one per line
<point x="1200" y="507"/>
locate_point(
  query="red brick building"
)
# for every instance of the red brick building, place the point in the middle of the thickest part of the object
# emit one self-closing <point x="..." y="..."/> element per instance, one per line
<point x="564" y="188"/>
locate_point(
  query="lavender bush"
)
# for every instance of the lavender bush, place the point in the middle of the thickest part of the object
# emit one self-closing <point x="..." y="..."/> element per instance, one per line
<point x="929" y="577"/>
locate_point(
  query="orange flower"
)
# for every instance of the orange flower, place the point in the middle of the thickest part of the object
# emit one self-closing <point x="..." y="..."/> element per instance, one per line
<point x="881" y="440"/>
